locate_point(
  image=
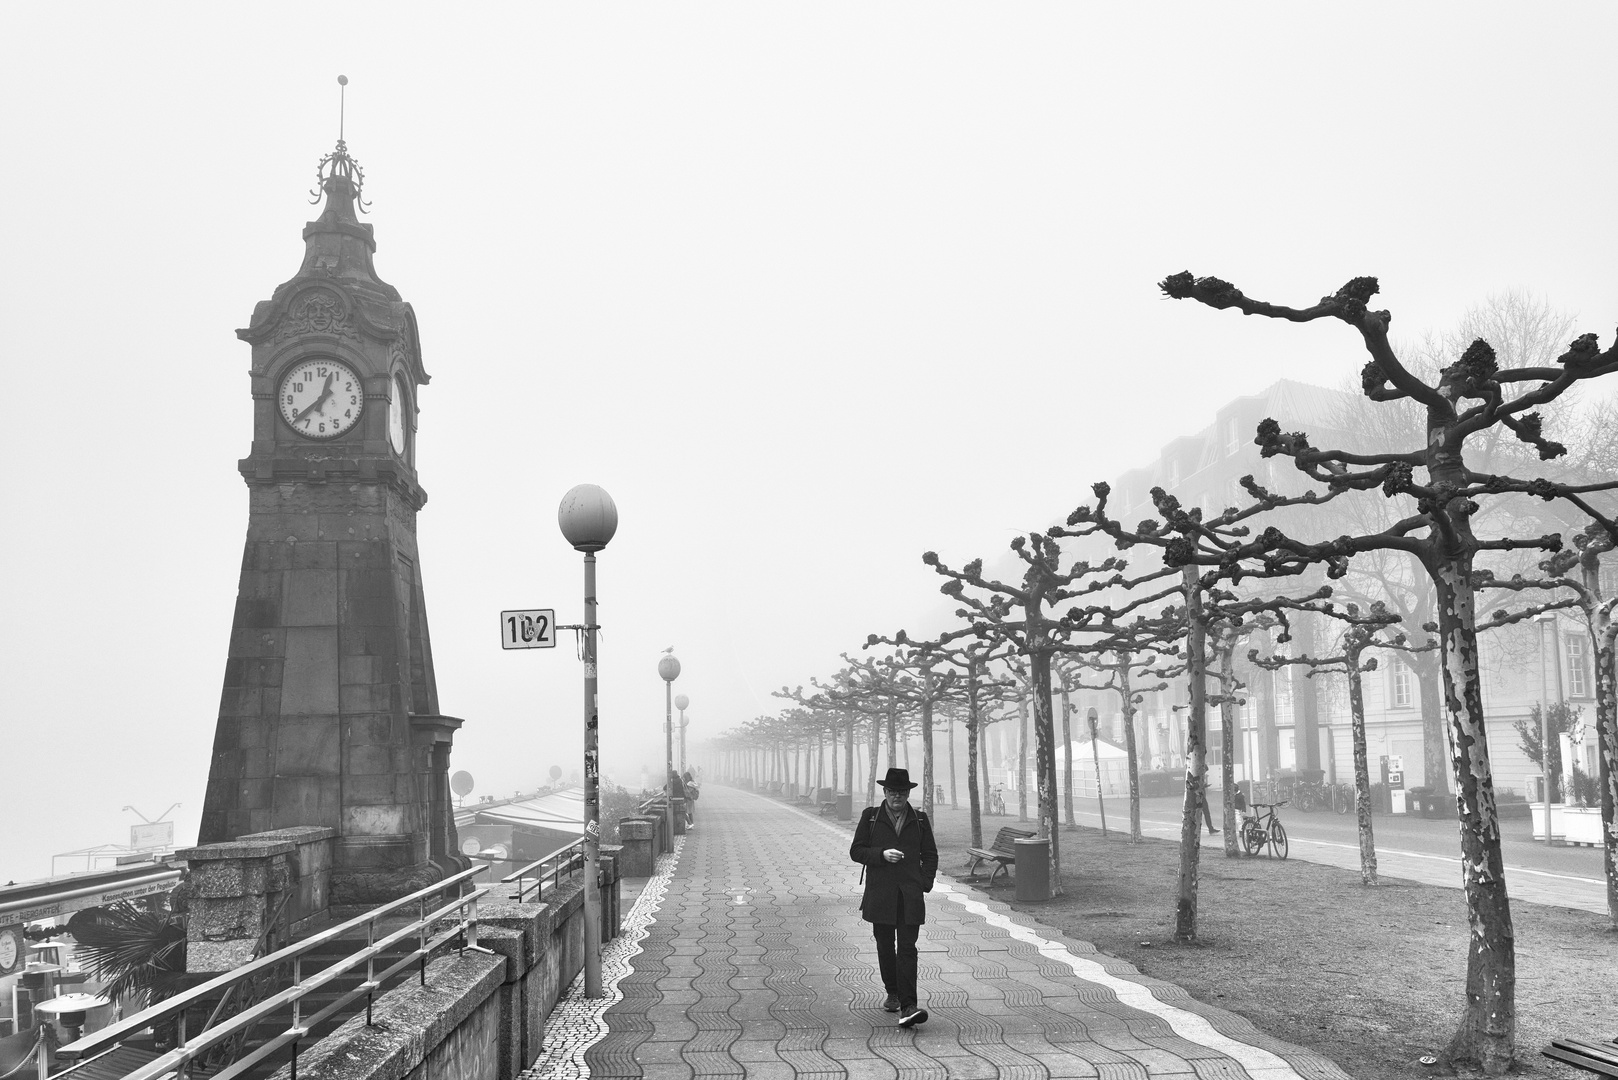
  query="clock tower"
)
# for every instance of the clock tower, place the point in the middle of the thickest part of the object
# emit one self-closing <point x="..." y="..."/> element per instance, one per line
<point x="329" y="714"/>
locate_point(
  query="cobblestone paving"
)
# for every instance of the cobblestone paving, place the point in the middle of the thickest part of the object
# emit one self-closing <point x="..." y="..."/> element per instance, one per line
<point x="746" y="957"/>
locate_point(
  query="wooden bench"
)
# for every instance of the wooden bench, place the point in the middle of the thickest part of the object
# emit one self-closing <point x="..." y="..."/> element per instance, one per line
<point x="1003" y="852"/>
<point x="1600" y="1058"/>
<point x="826" y="800"/>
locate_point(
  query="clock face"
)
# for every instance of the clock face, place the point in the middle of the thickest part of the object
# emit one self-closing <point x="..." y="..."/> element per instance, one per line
<point x="320" y="398"/>
<point x="396" y="418"/>
<point x="8" y="950"/>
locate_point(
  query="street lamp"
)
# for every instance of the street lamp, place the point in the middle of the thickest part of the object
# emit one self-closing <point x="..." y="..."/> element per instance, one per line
<point x="669" y="669"/>
<point x="680" y="702"/>
<point x="588" y="520"/>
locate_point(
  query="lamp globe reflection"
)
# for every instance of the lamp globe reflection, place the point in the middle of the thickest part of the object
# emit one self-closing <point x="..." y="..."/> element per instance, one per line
<point x="680" y="700"/>
<point x="588" y="518"/>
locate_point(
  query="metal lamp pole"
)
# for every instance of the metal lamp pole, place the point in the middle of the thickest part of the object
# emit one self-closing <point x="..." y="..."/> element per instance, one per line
<point x="680" y="702"/>
<point x="588" y="519"/>
<point x="669" y="668"/>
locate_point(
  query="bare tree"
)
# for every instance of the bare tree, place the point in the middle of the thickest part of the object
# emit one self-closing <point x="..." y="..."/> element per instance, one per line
<point x="1472" y="398"/>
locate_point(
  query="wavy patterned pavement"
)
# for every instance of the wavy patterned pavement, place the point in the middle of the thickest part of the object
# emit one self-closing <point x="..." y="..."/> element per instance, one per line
<point x="746" y="957"/>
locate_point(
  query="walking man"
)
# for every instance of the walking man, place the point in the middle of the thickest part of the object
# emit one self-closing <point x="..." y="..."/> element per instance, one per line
<point x="894" y="842"/>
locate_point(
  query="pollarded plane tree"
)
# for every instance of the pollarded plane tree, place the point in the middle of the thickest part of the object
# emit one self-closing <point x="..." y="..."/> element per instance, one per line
<point x="1470" y="399"/>
<point x="1363" y="630"/>
<point x="1023" y="617"/>
<point x="1207" y="554"/>
<point x="919" y="681"/>
<point x="843" y="697"/>
<point x="1148" y="652"/>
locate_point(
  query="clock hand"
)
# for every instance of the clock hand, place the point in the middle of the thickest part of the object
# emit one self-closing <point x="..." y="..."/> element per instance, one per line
<point x="319" y="402"/>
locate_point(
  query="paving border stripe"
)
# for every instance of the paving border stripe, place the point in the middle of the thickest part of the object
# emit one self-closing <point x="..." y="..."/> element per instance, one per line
<point x="1260" y="1064"/>
<point x="577" y="1023"/>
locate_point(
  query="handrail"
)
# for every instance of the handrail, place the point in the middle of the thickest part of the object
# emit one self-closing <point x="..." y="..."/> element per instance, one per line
<point x="575" y="859"/>
<point x="177" y="1004"/>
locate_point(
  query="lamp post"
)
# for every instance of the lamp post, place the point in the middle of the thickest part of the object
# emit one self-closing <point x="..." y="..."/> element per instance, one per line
<point x="588" y="519"/>
<point x="680" y="702"/>
<point x="669" y="668"/>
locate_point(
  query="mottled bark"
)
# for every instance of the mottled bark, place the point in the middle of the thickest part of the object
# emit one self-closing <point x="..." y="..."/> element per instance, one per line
<point x="848" y="756"/>
<point x="1362" y="767"/>
<point x="893" y="738"/>
<point x="1487" y="1033"/>
<point x="949" y="742"/>
<point x="876" y="742"/>
<point x="1045" y="756"/>
<point x="1196" y="765"/>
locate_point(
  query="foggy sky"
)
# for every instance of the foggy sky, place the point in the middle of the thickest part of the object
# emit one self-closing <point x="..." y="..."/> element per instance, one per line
<point x="809" y="289"/>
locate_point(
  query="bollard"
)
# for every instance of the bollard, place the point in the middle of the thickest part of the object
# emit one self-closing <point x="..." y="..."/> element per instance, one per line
<point x="1033" y="870"/>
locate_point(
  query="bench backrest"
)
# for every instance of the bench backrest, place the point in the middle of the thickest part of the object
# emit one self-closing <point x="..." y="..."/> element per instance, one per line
<point x="1003" y="839"/>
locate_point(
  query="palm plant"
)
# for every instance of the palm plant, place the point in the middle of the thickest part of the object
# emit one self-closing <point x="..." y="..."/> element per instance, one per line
<point x="137" y="950"/>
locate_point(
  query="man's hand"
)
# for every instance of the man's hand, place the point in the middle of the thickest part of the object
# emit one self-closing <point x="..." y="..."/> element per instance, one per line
<point x="893" y="854"/>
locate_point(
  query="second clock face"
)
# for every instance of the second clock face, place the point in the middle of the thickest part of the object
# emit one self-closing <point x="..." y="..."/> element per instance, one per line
<point x="320" y="398"/>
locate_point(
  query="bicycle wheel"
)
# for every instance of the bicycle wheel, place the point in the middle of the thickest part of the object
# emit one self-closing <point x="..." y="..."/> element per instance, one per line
<point x="1344" y="799"/>
<point x="1253" y="838"/>
<point x="1278" y="840"/>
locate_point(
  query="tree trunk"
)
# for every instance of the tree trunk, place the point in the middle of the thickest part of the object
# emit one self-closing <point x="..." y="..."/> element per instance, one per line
<point x="1129" y="746"/>
<point x="1067" y="751"/>
<point x="1022" y="757"/>
<point x="1487" y="1033"/>
<point x="848" y="758"/>
<point x="1362" y="768"/>
<point x="1269" y="740"/>
<point x="1305" y="704"/>
<point x="949" y="742"/>
<point x="1434" y="745"/>
<point x="973" y="723"/>
<point x="927" y="743"/>
<point x="1045" y="762"/>
<point x="876" y="742"/>
<point x="1196" y="764"/>
<point x="1227" y="740"/>
<point x="893" y="738"/>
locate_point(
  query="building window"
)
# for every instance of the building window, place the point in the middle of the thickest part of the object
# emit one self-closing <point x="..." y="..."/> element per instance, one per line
<point x="1401" y="690"/>
<point x="1174" y="474"/>
<point x="1233" y="436"/>
<point x="1578" y="666"/>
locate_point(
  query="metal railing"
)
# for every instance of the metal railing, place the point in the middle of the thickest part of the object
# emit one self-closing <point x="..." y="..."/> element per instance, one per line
<point x="569" y="857"/>
<point x="463" y="908"/>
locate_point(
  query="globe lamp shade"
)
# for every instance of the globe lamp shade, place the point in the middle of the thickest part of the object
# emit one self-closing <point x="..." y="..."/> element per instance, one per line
<point x="681" y="701"/>
<point x="588" y="517"/>
<point x="669" y="668"/>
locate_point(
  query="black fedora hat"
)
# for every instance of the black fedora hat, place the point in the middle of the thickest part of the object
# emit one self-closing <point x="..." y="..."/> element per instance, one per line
<point x="897" y="778"/>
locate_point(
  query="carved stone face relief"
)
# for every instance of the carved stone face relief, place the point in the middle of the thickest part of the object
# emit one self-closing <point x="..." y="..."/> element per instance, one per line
<point x="317" y="312"/>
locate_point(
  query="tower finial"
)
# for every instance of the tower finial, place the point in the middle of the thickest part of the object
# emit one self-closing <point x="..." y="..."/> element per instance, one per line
<point x="345" y="172"/>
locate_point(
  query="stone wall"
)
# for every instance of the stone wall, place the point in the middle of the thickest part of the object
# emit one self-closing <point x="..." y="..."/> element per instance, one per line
<point x="480" y="1016"/>
<point x="274" y="883"/>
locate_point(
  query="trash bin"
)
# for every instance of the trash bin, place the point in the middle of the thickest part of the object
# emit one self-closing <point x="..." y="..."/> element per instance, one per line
<point x="845" y="806"/>
<point x="1033" y="870"/>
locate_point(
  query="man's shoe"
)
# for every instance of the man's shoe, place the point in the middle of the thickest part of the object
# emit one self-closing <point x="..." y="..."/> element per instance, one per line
<point x="891" y="1004"/>
<point x="1212" y="831"/>
<point x="913" y="1017"/>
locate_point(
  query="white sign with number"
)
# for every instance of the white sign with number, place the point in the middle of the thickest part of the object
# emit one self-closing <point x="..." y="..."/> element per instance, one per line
<point x="528" y="629"/>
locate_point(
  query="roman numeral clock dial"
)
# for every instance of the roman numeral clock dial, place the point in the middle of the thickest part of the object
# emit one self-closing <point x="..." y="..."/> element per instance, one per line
<point x="320" y="398"/>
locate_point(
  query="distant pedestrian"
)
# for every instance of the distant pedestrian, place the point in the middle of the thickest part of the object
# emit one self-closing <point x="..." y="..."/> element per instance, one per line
<point x="1207" y="815"/>
<point x="894" y="842"/>
<point x="690" y="798"/>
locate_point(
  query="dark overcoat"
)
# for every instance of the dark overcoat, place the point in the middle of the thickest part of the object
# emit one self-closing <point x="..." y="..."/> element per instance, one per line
<point x="893" y="891"/>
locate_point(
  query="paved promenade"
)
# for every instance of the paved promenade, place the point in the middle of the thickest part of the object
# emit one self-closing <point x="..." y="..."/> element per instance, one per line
<point x="746" y="956"/>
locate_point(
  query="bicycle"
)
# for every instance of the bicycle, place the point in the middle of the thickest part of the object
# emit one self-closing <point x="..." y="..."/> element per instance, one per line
<point x="997" y="805"/>
<point x="1264" y="827"/>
